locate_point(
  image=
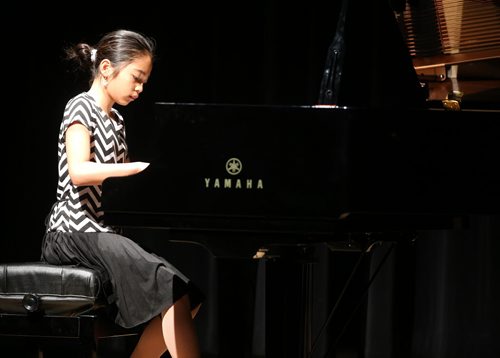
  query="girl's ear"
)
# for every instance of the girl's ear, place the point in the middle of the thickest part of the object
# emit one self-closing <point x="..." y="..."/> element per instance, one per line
<point x="105" y="68"/>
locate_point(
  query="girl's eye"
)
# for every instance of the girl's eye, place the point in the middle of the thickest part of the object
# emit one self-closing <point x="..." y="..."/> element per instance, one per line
<point x="139" y="79"/>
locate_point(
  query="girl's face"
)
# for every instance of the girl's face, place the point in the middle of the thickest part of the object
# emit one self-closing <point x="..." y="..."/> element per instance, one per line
<point x="126" y="86"/>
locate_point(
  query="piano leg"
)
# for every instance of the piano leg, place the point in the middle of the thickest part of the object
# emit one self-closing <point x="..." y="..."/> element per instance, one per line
<point x="288" y="301"/>
<point x="290" y="305"/>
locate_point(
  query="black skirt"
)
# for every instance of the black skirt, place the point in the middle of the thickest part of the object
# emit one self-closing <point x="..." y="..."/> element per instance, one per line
<point x="138" y="284"/>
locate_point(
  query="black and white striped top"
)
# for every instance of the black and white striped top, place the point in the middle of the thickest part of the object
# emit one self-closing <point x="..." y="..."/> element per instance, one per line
<point x="79" y="208"/>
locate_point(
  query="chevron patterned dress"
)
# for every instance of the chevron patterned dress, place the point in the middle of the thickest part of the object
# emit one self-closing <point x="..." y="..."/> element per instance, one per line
<point x="137" y="284"/>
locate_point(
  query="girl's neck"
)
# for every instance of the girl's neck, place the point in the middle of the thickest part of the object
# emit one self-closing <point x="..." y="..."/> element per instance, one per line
<point x="98" y="92"/>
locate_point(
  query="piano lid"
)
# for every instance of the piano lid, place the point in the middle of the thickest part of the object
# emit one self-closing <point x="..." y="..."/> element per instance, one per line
<point x="368" y="63"/>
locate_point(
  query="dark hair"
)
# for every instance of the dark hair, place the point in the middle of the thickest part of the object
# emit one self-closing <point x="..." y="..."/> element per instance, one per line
<point x="120" y="47"/>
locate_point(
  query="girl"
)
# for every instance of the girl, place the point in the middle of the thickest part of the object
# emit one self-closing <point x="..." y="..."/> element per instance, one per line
<point x="142" y="287"/>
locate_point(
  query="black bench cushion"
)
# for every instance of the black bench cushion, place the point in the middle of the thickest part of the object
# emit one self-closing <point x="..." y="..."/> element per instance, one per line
<point x="61" y="290"/>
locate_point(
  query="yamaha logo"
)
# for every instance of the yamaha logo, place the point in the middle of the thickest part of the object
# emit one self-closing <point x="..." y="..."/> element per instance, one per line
<point x="233" y="167"/>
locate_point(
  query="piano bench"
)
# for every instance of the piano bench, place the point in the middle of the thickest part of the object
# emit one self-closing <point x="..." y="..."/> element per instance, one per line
<point x="46" y="308"/>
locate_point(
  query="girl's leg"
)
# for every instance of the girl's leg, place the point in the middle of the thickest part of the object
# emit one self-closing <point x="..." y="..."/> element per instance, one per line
<point x="151" y="342"/>
<point x="179" y="331"/>
<point x="174" y="331"/>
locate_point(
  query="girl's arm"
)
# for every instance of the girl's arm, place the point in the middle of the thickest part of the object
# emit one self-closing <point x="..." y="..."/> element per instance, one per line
<point x="82" y="171"/>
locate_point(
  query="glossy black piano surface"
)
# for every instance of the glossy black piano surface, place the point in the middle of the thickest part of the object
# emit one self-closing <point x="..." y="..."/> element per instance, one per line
<point x="308" y="169"/>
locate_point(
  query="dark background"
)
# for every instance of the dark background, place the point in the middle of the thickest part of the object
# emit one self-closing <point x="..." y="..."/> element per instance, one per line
<point x="436" y="298"/>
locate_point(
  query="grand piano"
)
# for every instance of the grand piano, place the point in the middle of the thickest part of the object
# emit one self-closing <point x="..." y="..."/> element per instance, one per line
<point x="354" y="168"/>
<point x="309" y="171"/>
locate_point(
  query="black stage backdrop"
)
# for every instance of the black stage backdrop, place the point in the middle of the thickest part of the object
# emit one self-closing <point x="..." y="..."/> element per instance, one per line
<point x="436" y="297"/>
